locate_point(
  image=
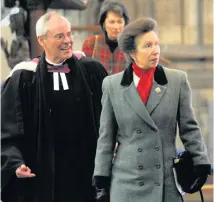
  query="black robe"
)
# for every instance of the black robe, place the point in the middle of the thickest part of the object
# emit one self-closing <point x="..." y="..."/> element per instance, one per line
<point x="52" y="132"/>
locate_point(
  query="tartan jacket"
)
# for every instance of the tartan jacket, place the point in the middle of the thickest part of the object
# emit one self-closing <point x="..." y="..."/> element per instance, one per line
<point x="113" y="62"/>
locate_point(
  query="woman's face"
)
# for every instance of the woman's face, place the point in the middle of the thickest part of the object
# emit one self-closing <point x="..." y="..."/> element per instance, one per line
<point x="114" y="24"/>
<point x="147" y="51"/>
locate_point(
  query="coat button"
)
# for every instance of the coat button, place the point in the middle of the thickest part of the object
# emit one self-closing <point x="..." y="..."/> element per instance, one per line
<point x="141" y="183"/>
<point x="157" y="183"/>
<point x="158" y="166"/>
<point x="154" y="129"/>
<point x="156" y="148"/>
<point x="140" y="167"/>
<point x="139" y="150"/>
<point x="138" y="131"/>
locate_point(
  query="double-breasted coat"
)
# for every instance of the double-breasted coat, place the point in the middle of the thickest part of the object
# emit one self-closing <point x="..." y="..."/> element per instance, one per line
<point x="143" y="168"/>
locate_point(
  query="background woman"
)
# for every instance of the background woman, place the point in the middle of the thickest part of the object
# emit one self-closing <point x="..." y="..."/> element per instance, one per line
<point x="112" y="18"/>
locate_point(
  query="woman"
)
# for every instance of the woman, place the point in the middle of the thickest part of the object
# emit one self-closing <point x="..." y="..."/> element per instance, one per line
<point x="112" y="18"/>
<point x="141" y="109"/>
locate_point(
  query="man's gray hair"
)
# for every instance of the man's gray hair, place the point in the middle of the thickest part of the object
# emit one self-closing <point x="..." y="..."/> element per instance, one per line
<point x="42" y="23"/>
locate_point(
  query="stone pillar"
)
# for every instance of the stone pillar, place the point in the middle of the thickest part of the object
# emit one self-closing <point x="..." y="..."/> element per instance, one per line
<point x="207" y="26"/>
<point x="190" y="29"/>
<point x="35" y="48"/>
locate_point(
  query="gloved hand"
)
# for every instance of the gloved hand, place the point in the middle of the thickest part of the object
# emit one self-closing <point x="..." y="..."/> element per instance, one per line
<point x="201" y="173"/>
<point x="102" y="195"/>
<point x="102" y="184"/>
<point x="191" y="177"/>
<point x="202" y="170"/>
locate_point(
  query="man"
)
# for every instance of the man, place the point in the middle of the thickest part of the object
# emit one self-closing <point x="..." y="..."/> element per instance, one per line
<point x="50" y="115"/>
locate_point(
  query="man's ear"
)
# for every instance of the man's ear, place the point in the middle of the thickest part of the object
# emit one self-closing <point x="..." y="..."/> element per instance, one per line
<point x="41" y="40"/>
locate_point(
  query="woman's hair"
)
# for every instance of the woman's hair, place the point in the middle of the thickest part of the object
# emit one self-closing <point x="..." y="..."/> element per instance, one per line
<point x="127" y="38"/>
<point x="42" y="23"/>
<point x="114" y="7"/>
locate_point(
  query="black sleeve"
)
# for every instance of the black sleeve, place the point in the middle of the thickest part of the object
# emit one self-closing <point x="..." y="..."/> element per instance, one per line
<point x="97" y="80"/>
<point x="11" y="129"/>
<point x="96" y="73"/>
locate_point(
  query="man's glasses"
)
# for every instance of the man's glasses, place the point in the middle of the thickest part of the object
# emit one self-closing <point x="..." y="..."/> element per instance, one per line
<point x="61" y="36"/>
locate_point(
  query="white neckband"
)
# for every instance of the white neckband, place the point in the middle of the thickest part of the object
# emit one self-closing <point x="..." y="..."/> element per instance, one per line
<point x="55" y="64"/>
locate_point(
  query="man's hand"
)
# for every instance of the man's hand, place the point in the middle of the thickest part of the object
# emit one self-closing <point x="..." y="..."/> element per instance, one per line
<point x="24" y="172"/>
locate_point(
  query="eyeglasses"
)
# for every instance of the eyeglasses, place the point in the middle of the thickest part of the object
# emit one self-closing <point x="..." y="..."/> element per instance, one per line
<point x="61" y="36"/>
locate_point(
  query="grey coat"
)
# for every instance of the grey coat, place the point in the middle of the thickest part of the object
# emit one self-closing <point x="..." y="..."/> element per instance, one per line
<point x="142" y="170"/>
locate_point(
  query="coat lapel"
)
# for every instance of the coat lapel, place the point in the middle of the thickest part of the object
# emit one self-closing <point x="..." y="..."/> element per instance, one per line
<point x="155" y="96"/>
<point x="132" y="96"/>
<point x="158" y="90"/>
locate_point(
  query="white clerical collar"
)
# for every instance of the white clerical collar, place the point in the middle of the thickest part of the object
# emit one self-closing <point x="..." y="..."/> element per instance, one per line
<point x="54" y="64"/>
<point x="56" y="76"/>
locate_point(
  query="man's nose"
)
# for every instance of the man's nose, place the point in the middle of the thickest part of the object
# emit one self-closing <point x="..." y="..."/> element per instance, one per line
<point x="68" y="39"/>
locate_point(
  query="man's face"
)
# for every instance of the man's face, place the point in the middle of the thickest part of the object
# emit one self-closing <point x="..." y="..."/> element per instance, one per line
<point x="59" y="40"/>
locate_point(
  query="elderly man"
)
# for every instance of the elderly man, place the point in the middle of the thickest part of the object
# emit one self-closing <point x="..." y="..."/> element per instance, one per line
<point x="50" y="118"/>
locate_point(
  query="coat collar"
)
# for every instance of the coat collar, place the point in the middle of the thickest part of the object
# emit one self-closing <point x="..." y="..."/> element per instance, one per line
<point x="157" y="92"/>
<point x="159" y="76"/>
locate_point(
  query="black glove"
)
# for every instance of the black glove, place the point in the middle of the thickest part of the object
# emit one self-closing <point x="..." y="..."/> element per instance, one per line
<point x="190" y="177"/>
<point x="102" y="195"/>
<point x="200" y="173"/>
<point x="202" y="170"/>
<point x="102" y="184"/>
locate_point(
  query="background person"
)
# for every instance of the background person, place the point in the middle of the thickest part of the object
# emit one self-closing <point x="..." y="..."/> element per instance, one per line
<point x="112" y="18"/>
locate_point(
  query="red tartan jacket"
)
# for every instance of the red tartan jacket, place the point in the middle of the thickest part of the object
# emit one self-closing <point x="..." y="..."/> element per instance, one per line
<point x="113" y="62"/>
